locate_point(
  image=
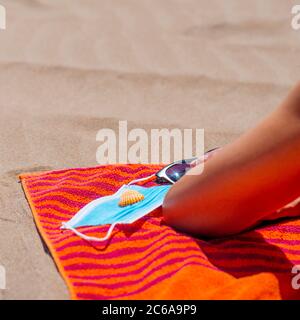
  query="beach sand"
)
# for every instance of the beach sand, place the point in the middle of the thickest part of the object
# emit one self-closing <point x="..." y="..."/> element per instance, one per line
<point x="69" y="68"/>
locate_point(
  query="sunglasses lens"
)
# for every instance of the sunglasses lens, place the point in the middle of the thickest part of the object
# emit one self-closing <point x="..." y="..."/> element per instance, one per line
<point x="177" y="171"/>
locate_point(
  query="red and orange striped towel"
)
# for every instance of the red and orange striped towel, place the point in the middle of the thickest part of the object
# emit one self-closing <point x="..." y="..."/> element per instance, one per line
<point x="150" y="260"/>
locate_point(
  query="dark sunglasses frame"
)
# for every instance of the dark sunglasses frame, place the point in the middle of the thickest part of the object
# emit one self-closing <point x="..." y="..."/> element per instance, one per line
<point x="162" y="176"/>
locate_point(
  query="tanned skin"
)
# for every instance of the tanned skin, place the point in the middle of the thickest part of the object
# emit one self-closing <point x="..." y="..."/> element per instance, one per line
<point x="245" y="182"/>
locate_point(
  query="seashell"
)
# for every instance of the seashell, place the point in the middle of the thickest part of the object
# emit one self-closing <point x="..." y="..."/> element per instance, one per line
<point x="130" y="197"/>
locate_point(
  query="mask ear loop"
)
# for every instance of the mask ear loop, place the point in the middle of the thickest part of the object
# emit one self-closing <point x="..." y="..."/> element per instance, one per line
<point x="88" y="238"/>
<point x="141" y="179"/>
<point x="110" y="230"/>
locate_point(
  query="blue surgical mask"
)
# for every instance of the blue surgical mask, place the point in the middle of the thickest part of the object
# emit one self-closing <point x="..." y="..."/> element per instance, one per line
<point x="106" y="210"/>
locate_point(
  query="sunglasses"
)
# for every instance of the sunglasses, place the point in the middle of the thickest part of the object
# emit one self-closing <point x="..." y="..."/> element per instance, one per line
<point x="176" y="170"/>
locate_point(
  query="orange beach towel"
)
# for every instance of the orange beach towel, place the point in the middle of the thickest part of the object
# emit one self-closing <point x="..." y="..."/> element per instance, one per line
<point x="150" y="260"/>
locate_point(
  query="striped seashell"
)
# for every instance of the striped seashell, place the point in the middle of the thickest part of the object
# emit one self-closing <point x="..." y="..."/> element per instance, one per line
<point x="130" y="197"/>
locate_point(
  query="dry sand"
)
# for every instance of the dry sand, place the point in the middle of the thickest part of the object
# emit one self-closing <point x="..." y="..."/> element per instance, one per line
<point x="69" y="68"/>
